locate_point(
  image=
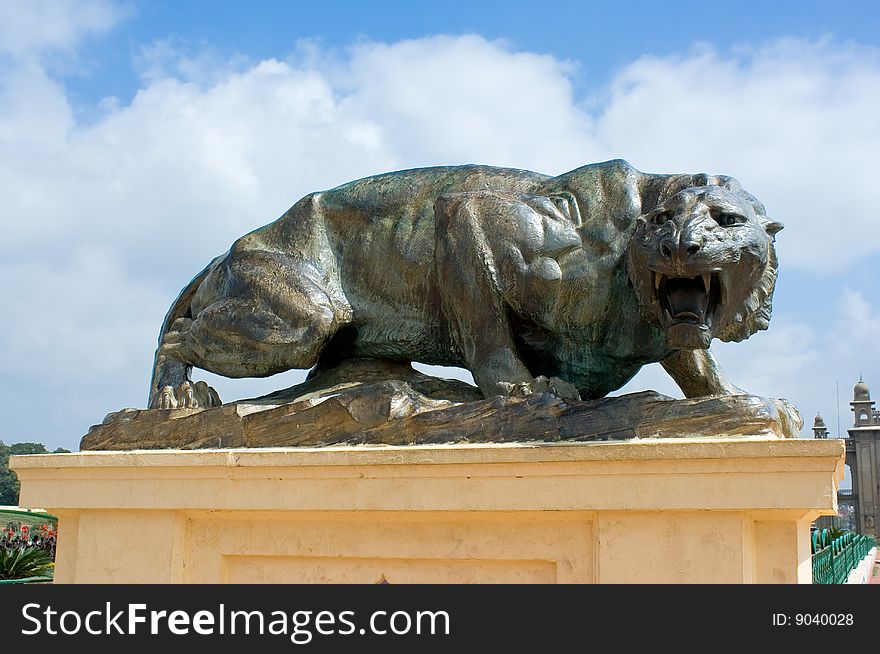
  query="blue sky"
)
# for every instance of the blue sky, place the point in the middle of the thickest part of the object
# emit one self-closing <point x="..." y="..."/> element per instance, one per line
<point x="139" y="139"/>
<point x="598" y="37"/>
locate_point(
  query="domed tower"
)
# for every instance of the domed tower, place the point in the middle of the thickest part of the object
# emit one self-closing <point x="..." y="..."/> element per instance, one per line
<point x="862" y="406"/>
<point x="862" y="455"/>
<point x="819" y="428"/>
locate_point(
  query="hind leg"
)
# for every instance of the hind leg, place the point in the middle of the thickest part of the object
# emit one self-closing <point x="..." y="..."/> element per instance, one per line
<point x="171" y="386"/>
<point x="261" y="313"/>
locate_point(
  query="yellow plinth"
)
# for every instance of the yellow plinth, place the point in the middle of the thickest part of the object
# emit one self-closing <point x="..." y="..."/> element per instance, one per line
<point x="673" y="511"/>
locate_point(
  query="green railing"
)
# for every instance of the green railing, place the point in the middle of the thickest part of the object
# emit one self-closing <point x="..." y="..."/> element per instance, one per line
<point x="27" y="580"/>
<point x="835" y="558"/>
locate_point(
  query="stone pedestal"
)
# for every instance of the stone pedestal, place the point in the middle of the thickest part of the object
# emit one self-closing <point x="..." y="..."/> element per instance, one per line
<point x="664" y="511"/>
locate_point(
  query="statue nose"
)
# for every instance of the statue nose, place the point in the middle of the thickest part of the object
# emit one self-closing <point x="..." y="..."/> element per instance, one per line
<point x="680" y="246"/>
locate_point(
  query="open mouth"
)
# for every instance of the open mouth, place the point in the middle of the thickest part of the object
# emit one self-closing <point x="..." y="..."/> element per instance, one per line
<point x="687" y="300"/>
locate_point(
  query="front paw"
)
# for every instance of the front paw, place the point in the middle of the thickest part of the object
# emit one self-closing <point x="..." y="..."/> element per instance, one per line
<point x="790" y="417"/>
<point x="187" y="395"/>
<point x="563" y="389"/>
<point x="553" y="385"/>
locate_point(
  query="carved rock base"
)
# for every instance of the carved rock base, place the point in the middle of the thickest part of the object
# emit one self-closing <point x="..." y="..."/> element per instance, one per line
<point x="392" y="404"/>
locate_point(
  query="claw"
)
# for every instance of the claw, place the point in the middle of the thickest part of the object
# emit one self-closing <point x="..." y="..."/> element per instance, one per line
<point x="185" y="397"/>
<point x="167" y="400"/>
<point x="206" y="396"/>
<point x="564" y="390"/>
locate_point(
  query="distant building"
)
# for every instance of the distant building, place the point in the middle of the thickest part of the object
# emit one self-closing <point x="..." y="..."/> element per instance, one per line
<point x="819" y="428"/>
<point x="863" y="459"/>
<point x="860" y="506"/>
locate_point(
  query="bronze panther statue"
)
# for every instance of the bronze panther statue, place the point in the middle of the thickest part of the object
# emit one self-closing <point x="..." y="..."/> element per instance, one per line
<point x="565" y="284"/>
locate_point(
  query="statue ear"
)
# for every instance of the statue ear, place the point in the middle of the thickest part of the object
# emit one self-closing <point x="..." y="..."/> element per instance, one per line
<point x="773" y="226"/>
<point x="568" y="206"/>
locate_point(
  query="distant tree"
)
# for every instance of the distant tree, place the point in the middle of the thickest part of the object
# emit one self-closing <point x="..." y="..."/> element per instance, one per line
<point x="27" y="448"/>
<point x="9" y="485"/>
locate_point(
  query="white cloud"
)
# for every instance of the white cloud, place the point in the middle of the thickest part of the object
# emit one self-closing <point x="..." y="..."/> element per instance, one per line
<point x="103" y="223"/>
<point x="859" y="325"/>
<point x="35" y="118"/>
<point x="77" y="334"/>
<point x="772" y="363"/>
<point x="29" y="26"/>
<point x="446" y="100"/>
<point x="82" y="314"/>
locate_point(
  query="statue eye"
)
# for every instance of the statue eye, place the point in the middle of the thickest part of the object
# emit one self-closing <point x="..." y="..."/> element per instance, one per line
<point x="661" y="217"/>
<point x="726" y="219"/>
